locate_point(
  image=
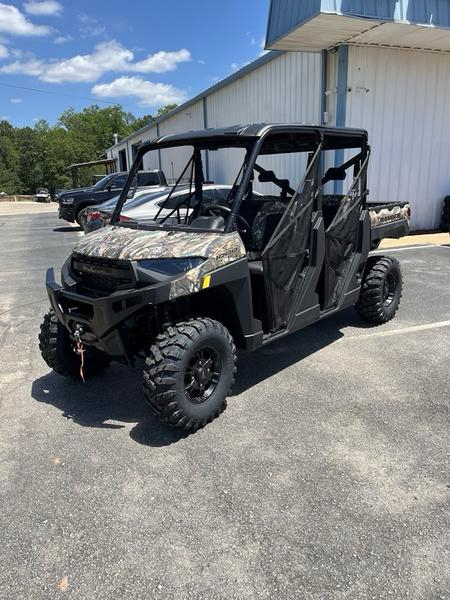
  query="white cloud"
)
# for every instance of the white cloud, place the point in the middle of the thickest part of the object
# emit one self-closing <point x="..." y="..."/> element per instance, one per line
<point x="62" y="39"/>
<point x="92" y="30"/>
<point x="5" y="118"/>
<point x="33" y="67"/>
<point x="201" y="61"/>
<point x="253" y="41"/>
<point x="44" y="8"/>
<point x="161" y="61"/>
<point x="13" y="22"/>
<point x="107" y="57"/>
<point x="16" y="100"/>
<point x="147" y="92"/>
<point x="84" y="18"/>
<point x="90" y="26"/>
<point x="3" y="51"/>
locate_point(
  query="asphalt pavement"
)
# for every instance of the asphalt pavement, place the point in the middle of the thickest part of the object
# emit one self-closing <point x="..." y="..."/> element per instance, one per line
<point x="326" y="478"/>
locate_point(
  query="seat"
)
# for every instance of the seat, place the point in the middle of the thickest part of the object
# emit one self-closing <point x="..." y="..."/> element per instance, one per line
<point x="213" y="222"/>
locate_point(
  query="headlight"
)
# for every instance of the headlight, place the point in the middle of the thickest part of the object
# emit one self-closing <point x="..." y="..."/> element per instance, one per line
<point x="171" y="266"/>
<point x="67" y="200"/>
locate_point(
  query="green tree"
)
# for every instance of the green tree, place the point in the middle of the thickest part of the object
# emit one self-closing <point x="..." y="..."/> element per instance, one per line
<point x="31" y="149"/>
<point x="9" y="160"/>
<point x="166" y="109"/>
<point x="39" y="156"/>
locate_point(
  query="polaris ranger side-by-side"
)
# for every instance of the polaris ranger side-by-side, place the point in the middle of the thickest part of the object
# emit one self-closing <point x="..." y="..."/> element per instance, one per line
<point x="185" y="290"/>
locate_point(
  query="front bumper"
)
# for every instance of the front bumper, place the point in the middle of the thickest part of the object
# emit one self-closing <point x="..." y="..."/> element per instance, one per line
<point x="67" y="212"/>
<point x="102" y="319"/>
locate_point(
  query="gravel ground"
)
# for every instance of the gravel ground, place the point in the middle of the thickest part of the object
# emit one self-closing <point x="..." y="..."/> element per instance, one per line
<point x="326" y="478"/>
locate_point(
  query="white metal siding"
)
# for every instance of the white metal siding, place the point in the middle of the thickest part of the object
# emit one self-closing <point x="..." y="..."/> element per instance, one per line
<point x="285" y="90"/>
<point x="173" y="161"/>
<point x="151" y="158"/>
<point x="401" y="97"/>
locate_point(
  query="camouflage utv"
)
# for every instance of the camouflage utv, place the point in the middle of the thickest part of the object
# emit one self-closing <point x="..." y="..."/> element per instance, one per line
<point x="233" y="271"/>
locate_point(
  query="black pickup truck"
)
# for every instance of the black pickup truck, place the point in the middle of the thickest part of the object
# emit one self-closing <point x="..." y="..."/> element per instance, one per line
<point x="72" y="202"/>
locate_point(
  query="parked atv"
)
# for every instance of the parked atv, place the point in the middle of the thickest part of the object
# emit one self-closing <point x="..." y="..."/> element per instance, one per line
<point x="205" y="279"/>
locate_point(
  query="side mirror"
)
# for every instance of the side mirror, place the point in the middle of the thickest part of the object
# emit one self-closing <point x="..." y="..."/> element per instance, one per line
<point x="109" y="187"/>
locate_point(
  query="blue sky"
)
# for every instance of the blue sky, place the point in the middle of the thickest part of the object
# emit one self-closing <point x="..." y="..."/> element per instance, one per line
<point x="140" y="53"/>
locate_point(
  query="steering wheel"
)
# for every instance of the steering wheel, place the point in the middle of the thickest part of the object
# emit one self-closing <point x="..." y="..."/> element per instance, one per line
<point x="213" y="209"/>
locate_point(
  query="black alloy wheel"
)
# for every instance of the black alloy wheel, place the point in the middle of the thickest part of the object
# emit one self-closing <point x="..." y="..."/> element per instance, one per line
<point x="202" y="375"/>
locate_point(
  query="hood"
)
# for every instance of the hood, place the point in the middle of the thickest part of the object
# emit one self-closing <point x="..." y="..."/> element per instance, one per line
<point x="75" y="192"/>
<point x="130" y="244"/>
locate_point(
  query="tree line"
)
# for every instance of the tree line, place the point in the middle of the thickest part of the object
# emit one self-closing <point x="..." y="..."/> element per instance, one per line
<point x="33" y="157"/>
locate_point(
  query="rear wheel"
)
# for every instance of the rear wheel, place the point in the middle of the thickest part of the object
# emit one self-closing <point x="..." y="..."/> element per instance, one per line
<point x="189" y="371"/>
<point x="57" y="350"/>
<point x="381" y="290"/>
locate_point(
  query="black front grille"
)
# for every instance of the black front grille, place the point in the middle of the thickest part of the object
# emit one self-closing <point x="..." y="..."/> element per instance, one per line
<point x="101" y="275"/>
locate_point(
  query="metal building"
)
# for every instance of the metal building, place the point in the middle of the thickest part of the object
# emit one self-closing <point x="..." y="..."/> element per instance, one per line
<point x="383" y="65"/>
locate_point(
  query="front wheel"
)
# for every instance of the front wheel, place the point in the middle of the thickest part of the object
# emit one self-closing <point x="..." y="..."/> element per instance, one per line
<point x="57" y="351"/>
<point x="78" y="217"/>
<point x="189" y="372"/>
<point x="381" y="290"/>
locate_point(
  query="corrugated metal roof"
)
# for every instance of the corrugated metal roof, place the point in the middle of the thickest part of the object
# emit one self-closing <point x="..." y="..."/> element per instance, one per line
<point x="256" y="64"/>
<point x="289" y="20"/>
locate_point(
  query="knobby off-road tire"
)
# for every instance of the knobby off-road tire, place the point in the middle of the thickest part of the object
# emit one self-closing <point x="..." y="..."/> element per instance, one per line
<point x="57" y="350"/>
<point x="174" y="375"/>
<point x="381" y="290"/>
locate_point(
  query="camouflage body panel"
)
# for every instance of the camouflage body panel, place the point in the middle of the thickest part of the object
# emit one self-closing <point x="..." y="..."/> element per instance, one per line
<point x="121" y="243"/>
<point x="388" y="214"/>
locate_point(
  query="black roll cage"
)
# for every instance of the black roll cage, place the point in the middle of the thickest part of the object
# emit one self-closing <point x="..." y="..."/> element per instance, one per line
<point x="325" y="138"/>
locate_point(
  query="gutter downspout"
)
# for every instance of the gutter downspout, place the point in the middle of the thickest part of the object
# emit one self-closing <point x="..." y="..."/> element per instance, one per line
<point x="323" y="101"/>
<point x="205" y="125"/>
<point x="341" y="105"/>
<point x="159" y="150"/>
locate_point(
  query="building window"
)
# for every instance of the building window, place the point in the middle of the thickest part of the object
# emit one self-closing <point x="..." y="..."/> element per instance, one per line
<point x="123" y="160"/>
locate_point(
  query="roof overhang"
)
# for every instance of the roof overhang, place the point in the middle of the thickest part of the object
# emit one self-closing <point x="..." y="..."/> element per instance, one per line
<point x="92" y="163"/>
<point x="324" y="31"/>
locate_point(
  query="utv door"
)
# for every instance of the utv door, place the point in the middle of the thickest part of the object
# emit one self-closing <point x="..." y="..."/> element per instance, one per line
<point x="286" y="255"/>
<point x="341" y="236"/>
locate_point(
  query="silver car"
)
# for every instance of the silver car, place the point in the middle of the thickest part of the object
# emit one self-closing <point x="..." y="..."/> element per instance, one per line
<point x="145" y="206"/>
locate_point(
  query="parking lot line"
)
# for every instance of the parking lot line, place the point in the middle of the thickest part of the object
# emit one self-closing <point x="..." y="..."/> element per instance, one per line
<point x="412" y="329"/>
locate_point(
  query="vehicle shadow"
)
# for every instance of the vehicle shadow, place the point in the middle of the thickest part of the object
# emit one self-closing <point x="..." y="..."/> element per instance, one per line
<point x="108" y="401"/>
<point x="255" y="367"/>
<point x="115" y="398"/>
<point x="67" y="229"/>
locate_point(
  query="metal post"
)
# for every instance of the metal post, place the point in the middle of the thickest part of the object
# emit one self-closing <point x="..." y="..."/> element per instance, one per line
<point x="159" y="151"/>
<point x="205" y="125"/>
<point x="341" y="105"/>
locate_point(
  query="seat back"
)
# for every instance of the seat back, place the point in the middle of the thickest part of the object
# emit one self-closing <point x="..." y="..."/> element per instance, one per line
<point x="212" y="222"/>
<point x="265" y="223"/>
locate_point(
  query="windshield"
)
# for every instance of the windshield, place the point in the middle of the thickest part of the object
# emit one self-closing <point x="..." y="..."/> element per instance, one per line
<point x="192" y="199"/>
<point x="102" y="182"/>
